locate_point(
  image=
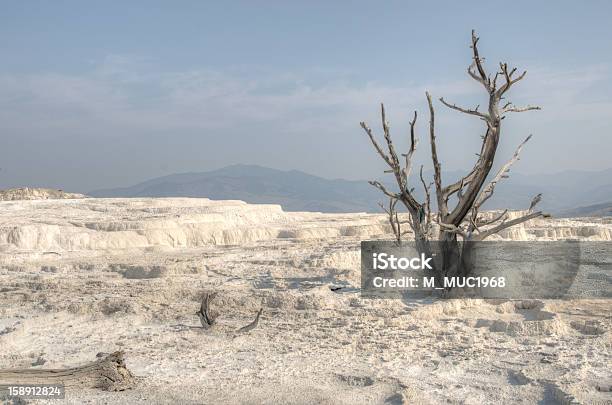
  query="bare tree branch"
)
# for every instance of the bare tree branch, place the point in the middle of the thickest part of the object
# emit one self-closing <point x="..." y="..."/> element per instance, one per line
<point x="465" y="110"/>
<point x="491" y="221"/>
<point x="387" y="134"/>
<point x="393" y="218"/>
<point x="535" y="202"/>
<point x="382" y="188"/>
<point x="382" y="154"/>
<point x="474" y="74"/>
<point x="502" y="172"/>
<point x="505" y="225"/>
<point x="509" y="80"/>
<point x="453" y="229"/>
<point x="479" y="74"/>
<point x="413" y="145"/>
<point x="427" y="198"/>
<point x="509" y="108"/>
<point x="459" y="185"/>
<point x="442" y="206"/>
<point x="251" y="325"/>
<point x="405" y="195"/>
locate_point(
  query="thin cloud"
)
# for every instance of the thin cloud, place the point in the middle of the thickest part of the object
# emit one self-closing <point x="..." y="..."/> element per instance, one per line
<point x="126" y="96"/>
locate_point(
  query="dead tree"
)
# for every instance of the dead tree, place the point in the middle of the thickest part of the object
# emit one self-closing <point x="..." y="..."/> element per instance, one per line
<point x="462" y="222"/>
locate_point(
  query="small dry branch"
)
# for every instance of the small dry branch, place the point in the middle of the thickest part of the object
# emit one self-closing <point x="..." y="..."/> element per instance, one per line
<point x="206" y="315"/>
<point x="251" y="325"/>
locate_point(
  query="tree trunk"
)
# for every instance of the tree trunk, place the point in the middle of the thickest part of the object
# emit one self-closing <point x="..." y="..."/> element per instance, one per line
<point x="452" y="258"/>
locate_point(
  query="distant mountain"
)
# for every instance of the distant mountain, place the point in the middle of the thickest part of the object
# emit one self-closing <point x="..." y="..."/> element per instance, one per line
<point x="299" y="191"/>
<point x="293" y="190"/>
<point x="562" y="191"/>
<point x="597" y="210"/>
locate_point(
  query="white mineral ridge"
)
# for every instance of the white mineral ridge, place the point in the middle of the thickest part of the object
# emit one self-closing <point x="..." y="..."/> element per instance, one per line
<point x="83" y="276"/>
<point x="109" y="225"/>
<point x="27" y="193"/>
<point x="114" y="225"/>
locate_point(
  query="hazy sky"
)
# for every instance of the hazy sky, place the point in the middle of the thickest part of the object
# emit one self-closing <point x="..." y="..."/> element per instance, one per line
<point x="105" y="94"/>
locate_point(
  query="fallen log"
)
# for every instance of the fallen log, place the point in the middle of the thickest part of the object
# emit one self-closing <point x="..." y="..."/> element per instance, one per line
<point x="108" y="373"/>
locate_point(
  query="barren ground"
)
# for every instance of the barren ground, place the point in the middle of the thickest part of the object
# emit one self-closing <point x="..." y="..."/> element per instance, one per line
<point x="79" y="277"/>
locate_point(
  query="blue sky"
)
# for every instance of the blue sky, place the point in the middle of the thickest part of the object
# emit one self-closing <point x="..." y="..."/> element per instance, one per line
<point x="103" y="94"/>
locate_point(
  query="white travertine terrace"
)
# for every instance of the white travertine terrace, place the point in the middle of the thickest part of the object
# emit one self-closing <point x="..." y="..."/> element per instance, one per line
<point x="28" y="193"/>
<point x="116" y="224"/>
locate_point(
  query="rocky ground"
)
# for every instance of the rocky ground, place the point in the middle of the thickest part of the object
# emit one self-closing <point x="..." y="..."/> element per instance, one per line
<point x="79" y="277"/>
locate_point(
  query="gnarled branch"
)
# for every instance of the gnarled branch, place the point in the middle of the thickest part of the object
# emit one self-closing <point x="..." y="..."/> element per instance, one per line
<point x="426" y="188"/>
<point x="501" y="173"/>
<point x="453" y="229"/>
<point x="491" y="221"/>
<point x="382" y="154"/>
<point x="442" y="206"/>
<point x="401" y="175"/>
<point x="510" y="108"/>
<point x="393" y="218"/>
<point x="465" y="110"/>
<point x="413" y="145"/>
<point x="507" y="224"/>
<point x="476" y="70"/>
<point x="382" y="188"/>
